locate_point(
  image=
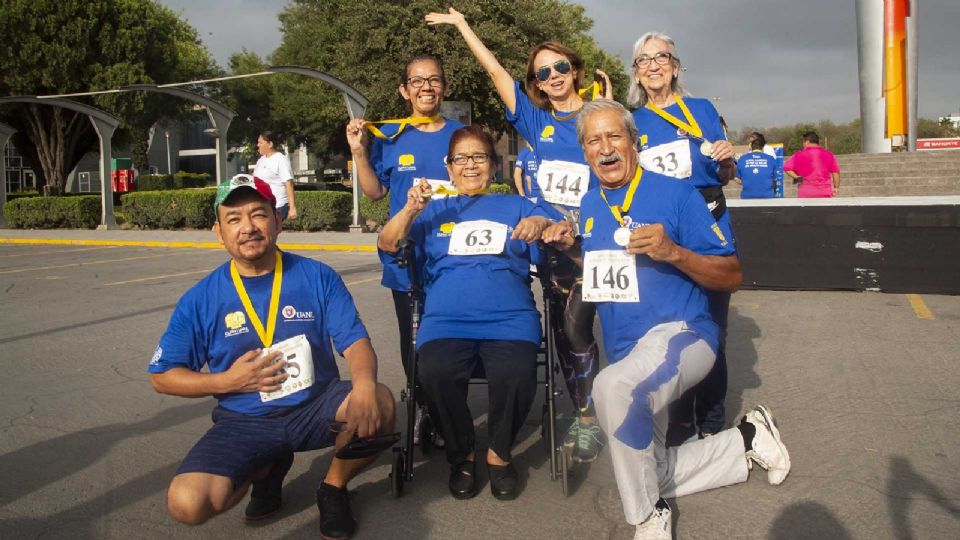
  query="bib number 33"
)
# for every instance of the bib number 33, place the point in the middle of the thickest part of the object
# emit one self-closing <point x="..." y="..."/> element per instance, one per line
<point x="478" y="237"/>
<point x="610" y="276"/>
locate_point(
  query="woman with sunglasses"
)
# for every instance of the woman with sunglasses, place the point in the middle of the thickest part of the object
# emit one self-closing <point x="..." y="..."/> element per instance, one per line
<point x="475" y="251"/>
<point x="544" y="113"/>
<point x="409" y="152"/>
<point x="683" y="137"/>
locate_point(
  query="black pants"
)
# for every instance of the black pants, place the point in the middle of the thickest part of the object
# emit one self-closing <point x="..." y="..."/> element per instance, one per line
<point x="510" y="367"/>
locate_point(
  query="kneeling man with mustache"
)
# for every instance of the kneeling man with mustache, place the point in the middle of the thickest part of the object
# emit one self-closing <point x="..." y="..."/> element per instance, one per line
<point x="650" y="249"/>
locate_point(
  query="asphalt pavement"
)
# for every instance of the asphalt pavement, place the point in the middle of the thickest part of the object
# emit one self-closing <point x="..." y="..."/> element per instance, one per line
<point x="864" y="387"/>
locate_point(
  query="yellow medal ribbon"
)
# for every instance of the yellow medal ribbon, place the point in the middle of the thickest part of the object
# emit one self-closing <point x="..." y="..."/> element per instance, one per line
<point x="594" y="90"/>
<point x="618" y="211"/>
<point x="404" y="122"/>
<point x="690" y="126"/>
<point x="444" y="190"/>
<point x="265" y="336"/>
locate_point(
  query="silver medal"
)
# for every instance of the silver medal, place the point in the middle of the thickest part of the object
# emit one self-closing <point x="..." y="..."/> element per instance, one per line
<point x="706" y="148"/>
<point x="622" y="236"/>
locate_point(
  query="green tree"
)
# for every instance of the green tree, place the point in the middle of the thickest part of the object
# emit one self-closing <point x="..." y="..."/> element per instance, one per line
<point x="367" y="42"/>
<point x="931" y="129"/>
<point x="68" y="46"/>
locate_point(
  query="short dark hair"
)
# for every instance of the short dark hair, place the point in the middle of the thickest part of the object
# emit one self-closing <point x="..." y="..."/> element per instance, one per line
<point x="539" y="97"/>
<point x="759" y="141"/>
<point x="271" y="138"/>
<point x="474" y="132"/>
<point x="424" y="57"/>
<point x="811" y="137"/>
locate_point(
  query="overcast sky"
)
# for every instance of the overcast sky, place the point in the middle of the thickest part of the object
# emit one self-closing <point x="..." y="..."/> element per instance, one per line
<point x="764" y="62"/>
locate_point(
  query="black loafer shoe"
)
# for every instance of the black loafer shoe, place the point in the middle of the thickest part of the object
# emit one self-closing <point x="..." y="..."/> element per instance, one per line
<point x="463" y="480"/>
<point x="504" y="482"/>
<point x="265" y="497"/>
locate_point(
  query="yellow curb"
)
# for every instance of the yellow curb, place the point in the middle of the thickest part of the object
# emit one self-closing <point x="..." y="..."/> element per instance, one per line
<point x="200" y="245"/>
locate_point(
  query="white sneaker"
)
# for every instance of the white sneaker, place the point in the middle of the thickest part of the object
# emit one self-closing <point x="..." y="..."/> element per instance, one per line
<point x="768" y="450"/>
<point x="658" y="525"/>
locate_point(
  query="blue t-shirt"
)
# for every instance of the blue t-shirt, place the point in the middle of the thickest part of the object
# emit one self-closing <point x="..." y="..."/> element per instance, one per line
<point x="758" y="171"/>
<point x="527" y="163"/>
<point x="552" y="139"/>
<point x="210" y="327"/>
<point x="655" y="131"/>
<point x="666" y="293"/>
<point x="398" y="162"/>
<point x="476" y="296"/>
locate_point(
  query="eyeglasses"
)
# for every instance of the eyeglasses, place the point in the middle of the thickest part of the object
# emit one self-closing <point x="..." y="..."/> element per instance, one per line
<point x="643" y="61"/>
<point x="478" y="158"/>
<point x="561" y="66"/>
<point x="417" y="82"/>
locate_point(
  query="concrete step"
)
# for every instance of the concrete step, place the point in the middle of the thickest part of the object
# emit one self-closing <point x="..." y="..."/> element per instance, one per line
<point x="897" y="167"/>
<point x="874" y="173"/>
<point x="871" y="191"/>
<point x="900" y="180"/>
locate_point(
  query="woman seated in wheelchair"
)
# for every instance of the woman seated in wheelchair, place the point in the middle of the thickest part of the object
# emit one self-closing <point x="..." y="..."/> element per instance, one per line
<point x="474" y="251"/>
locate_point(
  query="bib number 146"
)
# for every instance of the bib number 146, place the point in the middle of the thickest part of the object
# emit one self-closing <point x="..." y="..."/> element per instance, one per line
<point x="610" y="276"/>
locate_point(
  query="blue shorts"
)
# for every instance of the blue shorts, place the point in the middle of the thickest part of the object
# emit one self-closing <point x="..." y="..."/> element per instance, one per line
<point x="239" y="445"/>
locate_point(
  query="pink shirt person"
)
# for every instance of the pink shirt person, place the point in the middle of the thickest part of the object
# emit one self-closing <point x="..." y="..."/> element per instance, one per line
<point x="819" y="169"/>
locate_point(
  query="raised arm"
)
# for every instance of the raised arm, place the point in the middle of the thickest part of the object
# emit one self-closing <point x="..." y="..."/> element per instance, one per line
<point x="399" y="225"/>
<point x="502" y="80"/>
<point x="712" y="272"/>
<point x="367" y="178"/>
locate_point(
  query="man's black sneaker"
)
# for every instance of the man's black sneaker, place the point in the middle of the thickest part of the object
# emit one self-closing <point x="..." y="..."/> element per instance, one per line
<point x="336" y="521"/>
<point x="265" y="497"/>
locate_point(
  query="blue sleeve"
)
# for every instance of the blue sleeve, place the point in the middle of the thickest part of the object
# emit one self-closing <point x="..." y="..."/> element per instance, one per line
<point x="698" y="231"/>
<point x="182" y="344"/>
<point x="713" y="130"/>
<point x="339" y="312"/>
<point x="525" y="119"/>
<point x="376" y="161"/>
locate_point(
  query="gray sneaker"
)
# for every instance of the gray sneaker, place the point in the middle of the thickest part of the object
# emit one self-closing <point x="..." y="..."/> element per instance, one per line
<point x="658" y="525"/>
<point x="590" y="440"/>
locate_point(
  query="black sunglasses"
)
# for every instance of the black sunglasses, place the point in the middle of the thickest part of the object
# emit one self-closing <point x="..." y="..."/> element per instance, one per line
<point x="561" y="66"/>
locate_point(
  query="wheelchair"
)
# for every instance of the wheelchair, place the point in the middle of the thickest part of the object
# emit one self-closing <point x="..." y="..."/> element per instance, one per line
<point x="560" y="462"/>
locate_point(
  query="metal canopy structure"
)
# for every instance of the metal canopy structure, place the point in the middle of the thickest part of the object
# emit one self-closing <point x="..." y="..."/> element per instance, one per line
<point x="220" y="116"/>
<point x="356" y="106"/>
<point x="5" y="133"/>
<point x="104" y="124"/>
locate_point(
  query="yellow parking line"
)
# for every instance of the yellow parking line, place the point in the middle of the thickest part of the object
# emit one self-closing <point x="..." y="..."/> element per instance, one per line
<point x="56" y="251"/>
<point x="37" y="268"/>
<point x="152" y="278"/>
<point x="200" y="245"/>
<point x="920" y="307"/>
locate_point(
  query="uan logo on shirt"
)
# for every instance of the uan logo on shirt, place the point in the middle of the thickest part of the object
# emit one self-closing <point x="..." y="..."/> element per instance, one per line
<point x="236" y="324"/>
<point x="406" y="162"/>
<point x="290" y="314"/>
<point x="716" y="230"/>
<point x="547" y="134"/>
<point x="643" y="141"/>
<point x="588" y="227"/>
<point x="157" y="354"/>
<point x="446" y="229"/>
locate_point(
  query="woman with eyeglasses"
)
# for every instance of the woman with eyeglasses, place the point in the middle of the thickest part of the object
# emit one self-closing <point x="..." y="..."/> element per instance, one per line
<point x="544" y="111"/>
<point x="412" y="150"/>
<point x="683" y="137"/>
<point x="475" y="251"/>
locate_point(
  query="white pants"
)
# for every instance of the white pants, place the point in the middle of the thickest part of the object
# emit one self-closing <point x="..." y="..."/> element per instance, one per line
<point x="631" y="397"/>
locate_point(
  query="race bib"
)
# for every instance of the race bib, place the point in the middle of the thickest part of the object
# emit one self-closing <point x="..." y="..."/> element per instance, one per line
<point x="299" y="358"/>
<point x="441" y="188"/>
<point x="478" y="237"/>
<point x="670" y="159"/>
<point x="610" y="276"/>
<point x="563" y="182"/>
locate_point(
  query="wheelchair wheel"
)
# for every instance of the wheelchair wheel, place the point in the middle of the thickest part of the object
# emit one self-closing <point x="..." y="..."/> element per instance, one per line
<point x="397" y="473"/>
<point x="564" y="457"/>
